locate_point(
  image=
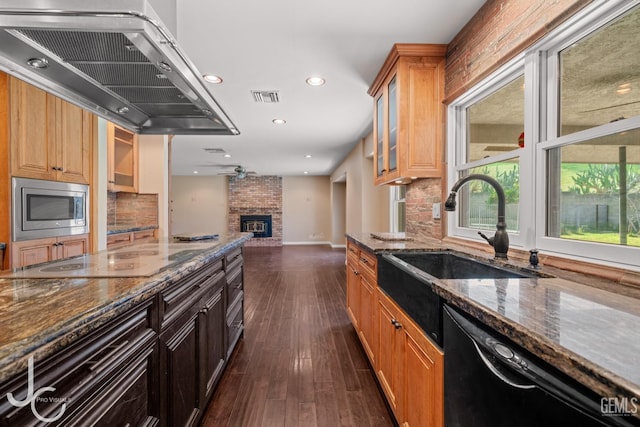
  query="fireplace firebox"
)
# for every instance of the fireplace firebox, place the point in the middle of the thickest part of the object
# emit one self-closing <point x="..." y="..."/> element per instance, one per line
<point x="259" y="225"/>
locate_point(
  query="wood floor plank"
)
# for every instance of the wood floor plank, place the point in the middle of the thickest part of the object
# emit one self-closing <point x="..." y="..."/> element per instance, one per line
<point x="300" y="362"/>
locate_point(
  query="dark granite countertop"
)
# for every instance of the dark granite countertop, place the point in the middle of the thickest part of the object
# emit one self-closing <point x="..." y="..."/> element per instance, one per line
<point x="131" y="229"/>
<point x="41" y="316"/>
<point x="591" y="334"/>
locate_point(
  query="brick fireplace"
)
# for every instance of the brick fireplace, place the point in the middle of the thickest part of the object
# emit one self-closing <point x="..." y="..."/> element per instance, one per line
<point x="256" y="196"/>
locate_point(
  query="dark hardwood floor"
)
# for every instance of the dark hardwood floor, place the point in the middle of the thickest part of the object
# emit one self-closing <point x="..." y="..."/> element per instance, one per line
<point x="300" y="362"/>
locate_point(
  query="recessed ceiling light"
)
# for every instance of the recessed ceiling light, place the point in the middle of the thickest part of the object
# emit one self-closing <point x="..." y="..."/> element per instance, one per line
<point x="307" y="156"/>
<point x="227" y="155"/>
<point x="211" y="78"/>
<point x="306" y="172"/>
<point x="315" y="81"/>
<point x="195" y="172"/>
<point x="624" y="88"/>
<point x="279" y="121"/>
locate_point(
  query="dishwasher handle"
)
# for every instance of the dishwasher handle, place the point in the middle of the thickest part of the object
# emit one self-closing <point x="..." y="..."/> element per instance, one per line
<point x="495" y="371"/>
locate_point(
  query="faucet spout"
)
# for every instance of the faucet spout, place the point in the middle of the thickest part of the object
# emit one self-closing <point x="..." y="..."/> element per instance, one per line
<point x="500" y="241"/>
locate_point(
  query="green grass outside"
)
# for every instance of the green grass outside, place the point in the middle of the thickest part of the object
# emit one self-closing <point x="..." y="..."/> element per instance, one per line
<point x="611" y="238"/>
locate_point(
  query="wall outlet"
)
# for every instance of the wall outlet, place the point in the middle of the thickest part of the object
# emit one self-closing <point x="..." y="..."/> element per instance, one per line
<point x="435" y="210"/>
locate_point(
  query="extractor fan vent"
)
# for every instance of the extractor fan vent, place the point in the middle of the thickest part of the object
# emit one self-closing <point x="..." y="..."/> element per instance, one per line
<point x="266" y="96"/>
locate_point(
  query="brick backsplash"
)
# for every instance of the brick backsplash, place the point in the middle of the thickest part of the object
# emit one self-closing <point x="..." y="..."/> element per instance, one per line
<point x="256" y="195"/>
<point x="128" y="210"/>
<point x="419" y="200"/>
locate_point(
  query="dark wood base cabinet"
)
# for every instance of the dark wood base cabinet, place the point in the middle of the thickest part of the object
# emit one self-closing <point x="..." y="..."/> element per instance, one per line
<point x="157" y="364"/>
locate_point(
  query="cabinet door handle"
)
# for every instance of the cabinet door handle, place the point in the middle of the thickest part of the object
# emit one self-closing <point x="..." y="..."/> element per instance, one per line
<point x="396" y="324"/>
<point x="111" y="182"/>
<point x="366" y="261"/>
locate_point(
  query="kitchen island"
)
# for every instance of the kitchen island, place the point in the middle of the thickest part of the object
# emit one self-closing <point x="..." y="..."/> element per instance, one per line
<point x="124" y="343"/>
<point x="571" y="321"/>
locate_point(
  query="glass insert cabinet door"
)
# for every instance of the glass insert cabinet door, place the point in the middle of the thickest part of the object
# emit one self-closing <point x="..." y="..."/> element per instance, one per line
<point x="380" y="135"/>
<point x="387" y="130"/>
<point x="392" y="152"/>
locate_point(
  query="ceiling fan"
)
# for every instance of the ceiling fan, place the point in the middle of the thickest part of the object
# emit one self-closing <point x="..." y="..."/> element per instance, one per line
<point x="238" y="171"/>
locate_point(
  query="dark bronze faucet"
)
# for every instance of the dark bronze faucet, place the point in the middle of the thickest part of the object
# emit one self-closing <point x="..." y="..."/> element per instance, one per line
<point x="500" y="241"/>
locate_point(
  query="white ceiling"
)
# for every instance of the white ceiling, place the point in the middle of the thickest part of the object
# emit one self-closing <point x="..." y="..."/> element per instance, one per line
<point x="275" y="45"/>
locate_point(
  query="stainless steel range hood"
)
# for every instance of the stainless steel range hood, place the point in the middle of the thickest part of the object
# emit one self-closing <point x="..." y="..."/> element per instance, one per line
<point x="111" y="57"/>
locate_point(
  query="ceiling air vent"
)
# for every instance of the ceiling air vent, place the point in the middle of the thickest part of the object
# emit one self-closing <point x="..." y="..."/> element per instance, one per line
<point x="265" y="96"/>
<point x="214" y="150"/>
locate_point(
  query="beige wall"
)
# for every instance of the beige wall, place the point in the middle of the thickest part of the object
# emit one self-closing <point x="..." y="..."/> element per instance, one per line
<point x="306" y="209"/>
<point x="338" y="212"/>
<point x="153" y="155"/>
<point x="367" y="206"/>
<point x="199" y="204"/>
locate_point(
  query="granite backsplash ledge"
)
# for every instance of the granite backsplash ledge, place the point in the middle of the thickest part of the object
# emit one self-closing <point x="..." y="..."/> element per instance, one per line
<point x="131" y="210"/>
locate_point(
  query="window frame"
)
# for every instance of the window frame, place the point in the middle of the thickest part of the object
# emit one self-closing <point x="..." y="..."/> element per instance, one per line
<point x="541" y="71"/>
<point x="457" y="131"/>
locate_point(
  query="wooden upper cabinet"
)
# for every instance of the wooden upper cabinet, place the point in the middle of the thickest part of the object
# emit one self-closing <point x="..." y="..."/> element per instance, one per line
<point x="123" y="159"/>
<point x="51" y="139"/>
<point x="409" y="116"/>
<point x="75" y="135"/>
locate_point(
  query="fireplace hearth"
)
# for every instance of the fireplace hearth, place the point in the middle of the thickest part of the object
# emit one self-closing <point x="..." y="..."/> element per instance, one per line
<point x="259" y="225"/>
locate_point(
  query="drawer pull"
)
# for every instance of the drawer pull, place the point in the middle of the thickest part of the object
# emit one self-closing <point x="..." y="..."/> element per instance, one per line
<point x="396" y="324"/>
<point x="366" y="261"/>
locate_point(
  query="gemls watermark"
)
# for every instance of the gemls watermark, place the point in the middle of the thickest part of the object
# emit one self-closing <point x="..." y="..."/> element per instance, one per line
<point x="36" y="396"/>
<point x="619" y="406"/>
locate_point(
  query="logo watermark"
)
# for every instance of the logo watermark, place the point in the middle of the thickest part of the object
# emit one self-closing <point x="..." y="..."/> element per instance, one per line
<point x="619" y="406"/>
<point x="36" y="396"/>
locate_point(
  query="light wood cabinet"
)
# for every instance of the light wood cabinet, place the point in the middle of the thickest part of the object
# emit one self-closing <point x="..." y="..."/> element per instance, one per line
<point x="118" y="240"/>
<point x="30" y="252"/>
<point x="50" y="139"/>
<point x="122" y="168"/>
<point x="361" y="284"/>
<point x="409" y="367"/>
<point x="409" y="116"/>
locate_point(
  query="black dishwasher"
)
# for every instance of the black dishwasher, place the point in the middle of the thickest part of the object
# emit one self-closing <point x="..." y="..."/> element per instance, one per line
<point x="490" y="382"/>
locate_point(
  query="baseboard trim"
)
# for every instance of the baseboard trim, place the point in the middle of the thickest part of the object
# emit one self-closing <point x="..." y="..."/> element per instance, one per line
<point x="314" y="242"/>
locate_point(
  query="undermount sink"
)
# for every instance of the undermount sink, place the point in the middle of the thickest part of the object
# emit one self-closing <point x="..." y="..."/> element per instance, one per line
<point x="408" y="278"/>
<point x="447" y="265"/>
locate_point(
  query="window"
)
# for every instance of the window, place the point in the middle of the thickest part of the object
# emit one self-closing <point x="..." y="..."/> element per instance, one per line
<point x="398" y="195"/>
<point x="493" y="122"/>
<point x="574" y="187"/>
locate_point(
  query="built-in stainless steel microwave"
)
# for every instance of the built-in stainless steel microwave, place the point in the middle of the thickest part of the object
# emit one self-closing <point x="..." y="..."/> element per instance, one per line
<point x="49" y="208"/>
